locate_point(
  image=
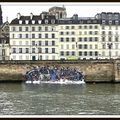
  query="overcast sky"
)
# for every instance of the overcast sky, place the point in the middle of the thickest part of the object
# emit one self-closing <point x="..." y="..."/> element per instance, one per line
<point x="86" y="9"/>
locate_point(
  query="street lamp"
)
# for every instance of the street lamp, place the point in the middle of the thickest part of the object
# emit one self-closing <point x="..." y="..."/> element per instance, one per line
<point x="109" y="47"/>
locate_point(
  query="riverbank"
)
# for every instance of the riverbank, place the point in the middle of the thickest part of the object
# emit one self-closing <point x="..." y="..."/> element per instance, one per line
<point x="95" y="71"/>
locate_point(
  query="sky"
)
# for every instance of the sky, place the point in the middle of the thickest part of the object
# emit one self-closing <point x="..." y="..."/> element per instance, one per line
<point x="87" y="9"/>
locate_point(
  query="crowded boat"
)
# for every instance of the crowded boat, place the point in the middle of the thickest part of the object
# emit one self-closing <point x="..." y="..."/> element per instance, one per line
<point x="54" y="75"/>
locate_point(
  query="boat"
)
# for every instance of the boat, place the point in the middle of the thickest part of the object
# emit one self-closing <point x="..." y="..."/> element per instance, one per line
<point x="35" y="76"/>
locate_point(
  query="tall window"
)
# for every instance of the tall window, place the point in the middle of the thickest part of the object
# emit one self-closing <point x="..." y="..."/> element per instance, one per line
<point x="39" y="43"/>
<point x="73" y="39"/>
<point x="80" y="53"/>
<point x="62" y="53"/>
<point x="67" y="27"/>
<point x="13" y="28"/>
<point x="53" y="50"/>
<point x="26" y="35"/>
<point x="46" y="35"/>
<point x="27" y="50"/>
<point x="85" y="46"/>
<point x="33" y="35"/>
<point x="39" y="50"/>
<point x="62" y="39"/>
<point x="73" y="53"/>
<point x="26" y="28"/>
<point x="67" y="53"/>
<point x="14" y="50"/>
<point x="39" y="36"/>
<point x="91" y="53"/>
<point x="72" y="27"/>
<point x="46" y="43"/>
<point x="67" y="39"/>
<point x="46" y="28"/>
<point x="96" y="53"/>
<point x="53" y="35"/>
<point x="33" y="43"/>
<point x="61" y="33"/>
<point x="80" y="46"/>
<point x="39" y="28"/>
<point x="72" y="33"/>
<point x="46" y="50"/>
<point x="20" y="28"/>
<point x="20" y="50"/>
<point x="20" y="35"/>
<point x="13" y="35"/>
<point x="33" y="50"/>
<point x="103" y="39"/>
<point x="33" y="28"/>
<point x="53" y="43"/>
<point x="85" y="53"/>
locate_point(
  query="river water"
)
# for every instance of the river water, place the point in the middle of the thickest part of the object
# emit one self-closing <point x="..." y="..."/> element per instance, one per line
<point x="49" y="99"/>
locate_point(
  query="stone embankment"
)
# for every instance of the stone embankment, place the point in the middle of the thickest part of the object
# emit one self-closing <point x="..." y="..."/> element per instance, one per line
<point x="94" y="70"/>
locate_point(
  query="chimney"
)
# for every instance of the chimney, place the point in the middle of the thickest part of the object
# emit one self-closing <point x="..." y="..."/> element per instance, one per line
<point x="31" y="15"/>
<point x="18" y="16"/>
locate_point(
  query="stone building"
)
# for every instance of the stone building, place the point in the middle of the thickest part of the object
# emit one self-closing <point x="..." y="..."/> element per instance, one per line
<point x="4" y="38"/>
<point x="54" y="36"/>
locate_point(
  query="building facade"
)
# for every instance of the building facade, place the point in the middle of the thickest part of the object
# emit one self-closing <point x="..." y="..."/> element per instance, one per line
<point x="53" y="36"/>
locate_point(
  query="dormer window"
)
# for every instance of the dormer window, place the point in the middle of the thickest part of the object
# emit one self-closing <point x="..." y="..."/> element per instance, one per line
<point x="20" y="21"/>
<point x="53" y="21"/>
<point x="46" y="21"/>
<point x="39" y="21"/>
<point x="26" y="21"/>
<point x="33" y="21"/>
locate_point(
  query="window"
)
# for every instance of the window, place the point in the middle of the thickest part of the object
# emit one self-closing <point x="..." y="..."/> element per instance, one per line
<point x="67" y="39"/>
<point x="90" y="46"/>
<point x="20" y="28"/>
<point x="96" y="38"/>
<point x="110" y="33"/>
<point x="26" y="28"/>
<point x="73" y="46"/>
<point x="80" y="46"/>
<point x="90" y="32"/>
<point x="20" y="42"/>
<point x="96" y="27"/>
<point x="53" y="50"/>
<point x="46" y="43"/>
<point x="96" y="47"/>
<point x="90" y="27"/>
<point x="39" y="36"/>
<point x="85" y="53"/>
<point x="72" y="33"/>
<point x="110" y="39"/>
<point x="46" y="28"/>
<point x="53" y="43"/>
<point x="96" y="53"/>
<point x="33" y="43"/>
<point x="72" y="27"/>
<point x="39" y="43"/>
<point x="67" y="33"/>
<point x="90" y="39"/>
<point x="91" y="53"/>
<point x="103" y="32"/>
<point x="116" y="46"/>
<point x="14" y="50"/>
<point x="80" y="53"/>
<point x="73" y="53"/>
<point x="67" y="27"/>
<point x="67" y="46"/>
<point x="13" y="35"/>
<point x="39" y="50"/>
<point x="62" y="39"/>
<point x="20" y="35"/>
<point x="61" y="33"/>
<point x="39" y="28"/>
<point x="85" y="46"/>
<point x="85" y="27"/>
<point x="73" y="39"/>
<point x="85" y="39"/>
<point x="103" y="39"/>
<point x="26" y="42"/>
<point x="46" y="50"/>
<point x="26" y="35"/>
<point x="20" y="50"/>
<point x="104" y="46"/>
<point x="27" y="50"/>
<point x="80" y="27"/>
<point x="33" y="50"/>
<point x="67" y="53"/>
<point x="33" y="28"/>
<point x="53" y="35"/>
<point x="96" y="32"/>
<point x="46" y="35"/>
<point x="62" y="46"/>
<point x="13" y="28"/>
<point x="116" y="39"/>
<point x="33" y="35"/>
<point x="103" y="27"/>
<point x="80" y="39"/>
<point x="62" y="53"/>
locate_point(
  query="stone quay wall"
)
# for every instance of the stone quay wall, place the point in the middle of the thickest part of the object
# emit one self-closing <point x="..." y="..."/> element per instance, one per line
<point x="94" y="70"/>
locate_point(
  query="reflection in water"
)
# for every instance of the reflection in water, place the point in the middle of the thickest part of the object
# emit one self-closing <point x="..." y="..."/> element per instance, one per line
<point x="46" y="99"/>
